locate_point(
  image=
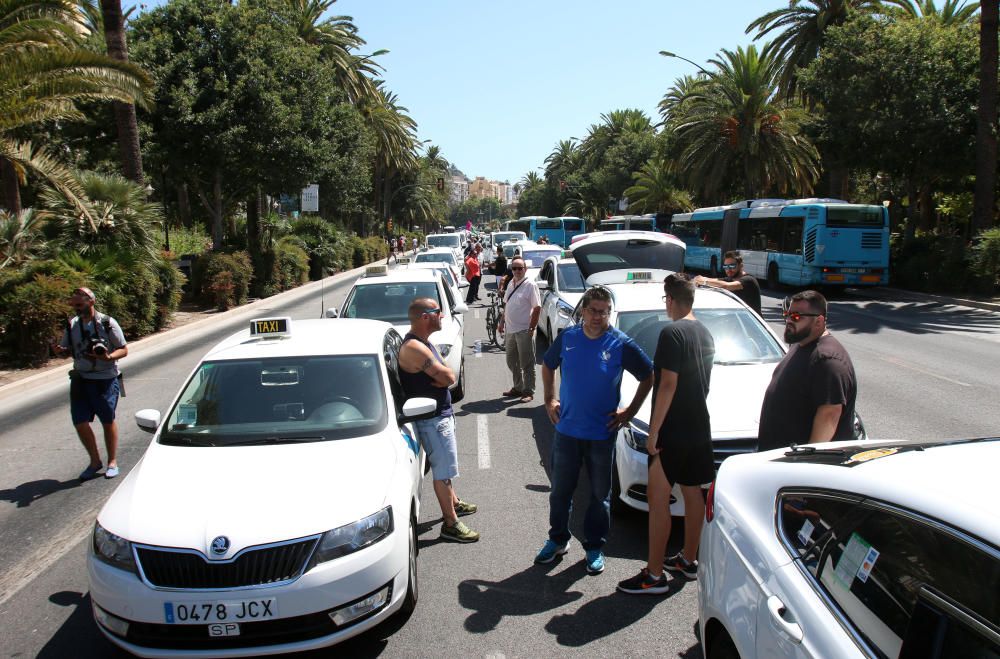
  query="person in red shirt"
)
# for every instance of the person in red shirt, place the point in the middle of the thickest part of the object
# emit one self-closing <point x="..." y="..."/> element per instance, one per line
<point x="473" y="273"/>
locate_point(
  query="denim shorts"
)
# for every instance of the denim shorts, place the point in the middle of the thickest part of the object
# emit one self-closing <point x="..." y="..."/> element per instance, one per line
<point x="437" y="436"/>
<point x="95" y="398"/>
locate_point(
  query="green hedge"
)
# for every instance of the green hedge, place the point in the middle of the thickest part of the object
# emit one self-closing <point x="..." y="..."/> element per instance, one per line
<point x="222" y="279"/>
<point x="34" y="313"/>
<point x="947" y="264"/>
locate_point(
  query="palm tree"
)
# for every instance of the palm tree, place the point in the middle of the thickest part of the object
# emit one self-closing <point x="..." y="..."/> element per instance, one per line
<point x="952" y="12"/>
<point x="563" y="160"/>
<point x="43" y="73"/>
<point x="395" y="142"/>
<point x="737" y="129"/>
<point x="125" y="120"/>
<point x="802" y="25"/>
<point x="530" y="180"/>
<point x="20" y="236"/>
<point x="672" y="103"/>
<point x="655" y="191"/>
<point x="986" y="120"/>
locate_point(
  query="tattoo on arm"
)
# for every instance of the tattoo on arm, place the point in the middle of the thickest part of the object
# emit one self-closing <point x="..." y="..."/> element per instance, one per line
<point x="427" y="364"/>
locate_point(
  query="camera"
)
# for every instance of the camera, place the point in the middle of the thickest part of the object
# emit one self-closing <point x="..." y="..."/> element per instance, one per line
<point x="97" y="346"/>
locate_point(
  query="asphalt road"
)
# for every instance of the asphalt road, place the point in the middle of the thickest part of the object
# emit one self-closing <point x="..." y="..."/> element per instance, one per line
<point x="925" y="371"/>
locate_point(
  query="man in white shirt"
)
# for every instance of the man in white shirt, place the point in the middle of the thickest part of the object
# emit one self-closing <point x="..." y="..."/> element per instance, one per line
<point x="520" y="317"/>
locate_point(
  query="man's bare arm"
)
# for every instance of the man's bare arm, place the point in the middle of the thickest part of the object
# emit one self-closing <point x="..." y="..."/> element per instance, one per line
<point x="825" y="423"/>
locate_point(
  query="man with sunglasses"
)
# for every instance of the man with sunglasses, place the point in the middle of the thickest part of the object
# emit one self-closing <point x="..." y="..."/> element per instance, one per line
<point x="522" y="306"/>
<point x="736" y="281"/>
<point x="97" y="343"/>
<point x="423" y="374"/>
<point x="812" y="391"/>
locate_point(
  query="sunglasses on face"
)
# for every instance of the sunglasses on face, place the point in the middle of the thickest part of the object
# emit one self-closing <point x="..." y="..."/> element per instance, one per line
<point x="598" y="313"/>
<point x="431" y="312"/>
<point x="795" y="316"/>
<point x="729" y="266"/>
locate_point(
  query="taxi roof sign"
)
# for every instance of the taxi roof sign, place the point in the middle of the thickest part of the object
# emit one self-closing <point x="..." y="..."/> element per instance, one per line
<point x="640" y="276"/>
<point x="376" y="270"/>
<point x="403" y="260"/>
<point x="271" y="327"/>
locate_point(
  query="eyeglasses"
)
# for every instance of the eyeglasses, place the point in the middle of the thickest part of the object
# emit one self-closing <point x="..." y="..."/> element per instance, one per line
<point x="598" y="313"/>
<point x="428" y="312"/>
<point x="795" y="316"/>
<point x="729" y="266"/>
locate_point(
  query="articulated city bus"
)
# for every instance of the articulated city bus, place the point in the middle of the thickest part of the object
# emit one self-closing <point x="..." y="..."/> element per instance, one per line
<point x="649" y="222"/>
<point x="802" y="242"/>
<point x="558" y="230"/>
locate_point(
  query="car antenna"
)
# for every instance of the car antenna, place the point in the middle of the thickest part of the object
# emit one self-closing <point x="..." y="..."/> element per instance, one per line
<point x="322" y="293"/>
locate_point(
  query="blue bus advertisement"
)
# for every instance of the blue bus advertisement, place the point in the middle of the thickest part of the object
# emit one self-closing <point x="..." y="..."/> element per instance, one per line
<point x="558" y="230"/>
<point x="806" y="242"/>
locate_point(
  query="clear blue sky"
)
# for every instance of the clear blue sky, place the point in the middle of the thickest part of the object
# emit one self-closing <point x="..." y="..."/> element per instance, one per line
<point x="497" y="84"/>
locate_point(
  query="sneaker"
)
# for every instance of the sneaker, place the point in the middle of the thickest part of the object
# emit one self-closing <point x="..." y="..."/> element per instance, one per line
<point x="111" y="472"/>
<point x="458" y="532"/>
<point x="595" y="561"/>
<point x="90" y="472"/>
<point x="510" y="393"/>
<point x="677" y="563"/>
<point x="644" y="584"/>
<point x="463" y="508"/>
<point x="550" y="550"/>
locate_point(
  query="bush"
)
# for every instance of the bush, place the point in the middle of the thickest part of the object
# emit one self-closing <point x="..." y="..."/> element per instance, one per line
<point x="321" y="240"/>
<point x="189" y="241"/>
<point x="930" y="263"/>
<point x="168" y="292"/>
<point x="986" y="260"/>
<point x="222" y="279"/>
<point x="34" y="313"/>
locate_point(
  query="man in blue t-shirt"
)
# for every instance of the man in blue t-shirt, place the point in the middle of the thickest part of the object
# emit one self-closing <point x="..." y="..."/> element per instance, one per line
<point x="592" y="357"/>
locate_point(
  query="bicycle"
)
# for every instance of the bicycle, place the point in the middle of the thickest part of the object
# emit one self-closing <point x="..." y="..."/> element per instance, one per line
<point x="493" y="316"/>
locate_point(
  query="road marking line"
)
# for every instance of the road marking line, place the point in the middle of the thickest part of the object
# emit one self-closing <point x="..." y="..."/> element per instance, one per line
<point x="483" y="432"/>
<point x="900" y="362"/>
<point x="476" y="314"/>
<point x="477" y="350"/>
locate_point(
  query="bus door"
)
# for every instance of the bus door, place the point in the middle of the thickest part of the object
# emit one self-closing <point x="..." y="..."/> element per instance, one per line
<point x="572" y="226"/>
<point x="759" y="240"/>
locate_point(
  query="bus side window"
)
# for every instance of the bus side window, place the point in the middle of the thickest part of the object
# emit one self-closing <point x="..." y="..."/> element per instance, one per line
<point x="791" y="240"/>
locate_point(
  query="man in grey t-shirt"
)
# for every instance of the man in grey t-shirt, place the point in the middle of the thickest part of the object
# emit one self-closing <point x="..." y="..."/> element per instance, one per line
<point x="97" y="343"/>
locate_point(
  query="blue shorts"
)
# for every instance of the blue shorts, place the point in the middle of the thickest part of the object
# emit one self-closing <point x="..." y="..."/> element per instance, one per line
<point x="95" y="398"/>
<point x="438" y="438"/>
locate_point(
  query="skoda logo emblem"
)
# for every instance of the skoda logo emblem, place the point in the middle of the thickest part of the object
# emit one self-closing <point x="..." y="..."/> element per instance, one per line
<point x="220" y="545"/>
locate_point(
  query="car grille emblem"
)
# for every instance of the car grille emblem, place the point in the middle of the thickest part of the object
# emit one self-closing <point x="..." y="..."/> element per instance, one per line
<point x="220" y="545"/>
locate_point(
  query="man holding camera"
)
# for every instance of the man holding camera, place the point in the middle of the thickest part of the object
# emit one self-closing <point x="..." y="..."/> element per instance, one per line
<point x="97" y="343"/>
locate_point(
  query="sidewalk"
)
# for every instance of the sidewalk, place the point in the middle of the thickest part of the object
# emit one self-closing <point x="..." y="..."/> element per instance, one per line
<point x="898" y="294"/>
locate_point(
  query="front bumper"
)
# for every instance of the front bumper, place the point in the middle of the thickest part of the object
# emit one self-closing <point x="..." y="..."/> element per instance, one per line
<point x="304" y="607"/>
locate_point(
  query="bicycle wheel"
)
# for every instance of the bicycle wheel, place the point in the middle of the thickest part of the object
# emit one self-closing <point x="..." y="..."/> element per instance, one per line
<point x="491" y="325"/>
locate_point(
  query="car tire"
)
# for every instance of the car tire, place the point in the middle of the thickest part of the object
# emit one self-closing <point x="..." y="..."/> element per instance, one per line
<point x="773" y="279"/>
<point x="458" y="393"/>
<point x="412" y="582"/>
<point x="722" y="647"/>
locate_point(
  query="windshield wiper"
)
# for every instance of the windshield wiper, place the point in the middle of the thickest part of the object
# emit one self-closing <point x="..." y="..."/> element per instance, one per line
<point x="181" y="440"/>
<point x="278" y="440"/>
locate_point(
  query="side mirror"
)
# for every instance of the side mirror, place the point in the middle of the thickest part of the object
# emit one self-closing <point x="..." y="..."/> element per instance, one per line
<point x="332" y="312"/>
<point x="460" y="307"/>
<point x="417" y="409"/>
<point x="147" y="420"/>
<point x="543" y="285"/>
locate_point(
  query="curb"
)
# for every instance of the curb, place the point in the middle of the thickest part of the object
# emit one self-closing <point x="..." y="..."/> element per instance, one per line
<point x="147" y="347"/>
<point x="888" y="293"/>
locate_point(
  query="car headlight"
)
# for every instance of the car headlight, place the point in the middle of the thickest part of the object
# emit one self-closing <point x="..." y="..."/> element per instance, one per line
<point x="114" y="550"/>
<point x="351" y="537"/>
<point x="443" y="349"/>
<point x="636" y="435"/>
<point x="564" y="310"/>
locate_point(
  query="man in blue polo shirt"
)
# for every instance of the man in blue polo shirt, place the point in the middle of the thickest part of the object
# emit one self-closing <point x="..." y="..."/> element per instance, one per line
<point x="592" y="356"/>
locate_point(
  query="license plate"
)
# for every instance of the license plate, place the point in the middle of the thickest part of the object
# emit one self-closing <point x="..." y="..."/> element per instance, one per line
<point x="200" y="613"/>
<point x="833" y="277"/>
<point x="224" y="629"/>
<point x="853" y="271"/>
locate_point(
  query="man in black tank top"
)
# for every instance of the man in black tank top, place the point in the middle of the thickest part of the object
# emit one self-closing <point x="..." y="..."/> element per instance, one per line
<point x="423" y="374"/>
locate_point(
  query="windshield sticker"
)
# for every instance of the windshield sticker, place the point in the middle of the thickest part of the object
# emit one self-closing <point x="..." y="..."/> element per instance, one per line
<point x="868" y="564"/>
<point x="851" y="560"/>
<point x="187" y="414"/>
<point x="873" y="454"/>
<point x="805" y="533"/>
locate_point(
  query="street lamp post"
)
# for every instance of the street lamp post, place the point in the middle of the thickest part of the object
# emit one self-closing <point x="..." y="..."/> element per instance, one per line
<point x="667" y="53"/>
<point x="166" y="225"/>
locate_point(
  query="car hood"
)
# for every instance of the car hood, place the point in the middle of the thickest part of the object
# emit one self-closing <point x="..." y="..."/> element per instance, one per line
<point x="636" y="250"/>
<point x="182" y="496"/>
<point x="735" y="412"/>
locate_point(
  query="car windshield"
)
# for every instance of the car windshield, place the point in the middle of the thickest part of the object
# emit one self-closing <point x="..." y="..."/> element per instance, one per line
<point x="534" y="259"/>
<point x="451" y="240"/>
<point x="389" y="301"/>
<point x="570" y="279"/>
<point x="739" y="336"/>
<point x="500" y="238"/>
<point x="437" y="257"/>
<point x="278" y="400"/>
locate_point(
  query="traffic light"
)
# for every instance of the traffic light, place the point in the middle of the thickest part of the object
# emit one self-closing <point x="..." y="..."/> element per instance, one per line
<point x="440" y="184"/>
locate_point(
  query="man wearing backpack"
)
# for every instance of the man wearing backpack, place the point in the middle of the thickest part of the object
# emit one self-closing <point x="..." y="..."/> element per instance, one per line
<point x="97" y="343"/>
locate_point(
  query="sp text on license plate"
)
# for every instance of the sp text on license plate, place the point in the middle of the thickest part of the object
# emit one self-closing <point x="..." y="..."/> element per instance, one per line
<point x="200" y="613"/>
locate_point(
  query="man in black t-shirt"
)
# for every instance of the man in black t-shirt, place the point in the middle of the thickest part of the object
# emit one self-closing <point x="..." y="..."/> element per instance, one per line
<point x="737" y="281"/>
<point x="680" y="437"/>
<point x="812" y="392"/>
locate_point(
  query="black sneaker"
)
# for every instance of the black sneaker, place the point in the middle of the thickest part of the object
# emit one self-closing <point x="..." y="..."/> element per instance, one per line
<point x="644" y="584"/>
<point x="677" y="563"/>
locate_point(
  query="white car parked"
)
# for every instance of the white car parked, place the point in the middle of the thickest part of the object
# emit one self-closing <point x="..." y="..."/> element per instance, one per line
<point x="882" y="549"/>
<point x="561" y="286"/>
<point x="275" y="509"/>
<point x="385" y="295"/>
<point x="452" y="278"/>
<point x="452" y="241"/>
<point x="498" y="238"/>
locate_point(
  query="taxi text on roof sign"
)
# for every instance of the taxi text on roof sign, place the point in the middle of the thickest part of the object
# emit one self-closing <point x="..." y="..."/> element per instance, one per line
<point x="376" y="270"/>
<point x="640" y="276"/>
<point x="266" y="327"/>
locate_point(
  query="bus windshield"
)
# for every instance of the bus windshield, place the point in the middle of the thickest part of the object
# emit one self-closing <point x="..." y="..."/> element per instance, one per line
<point x="854" y="216"/>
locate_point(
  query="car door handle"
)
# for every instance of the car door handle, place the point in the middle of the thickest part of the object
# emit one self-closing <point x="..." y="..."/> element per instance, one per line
<point x="778" y="612"/>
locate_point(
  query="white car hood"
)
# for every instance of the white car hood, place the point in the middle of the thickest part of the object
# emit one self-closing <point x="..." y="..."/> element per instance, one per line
<point x="735" y="411"/>
<point x="182" y="496"/>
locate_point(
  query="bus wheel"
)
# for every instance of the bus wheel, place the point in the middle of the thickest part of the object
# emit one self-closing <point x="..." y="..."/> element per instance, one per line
<point x="714" y="268"/>
<point x="772" y="277"/>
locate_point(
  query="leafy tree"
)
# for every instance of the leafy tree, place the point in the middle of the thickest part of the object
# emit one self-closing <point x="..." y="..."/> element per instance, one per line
<point x="986" y="118"/>
<point x="655" y="189"/>
<point x="952" y="12"/>
<point x="125" y="119"/>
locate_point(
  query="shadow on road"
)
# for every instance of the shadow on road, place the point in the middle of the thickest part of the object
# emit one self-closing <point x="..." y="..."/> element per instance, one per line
<point x="526" y="593"/>
<point x="78" y="637"/>
<point x="26" y="493"/>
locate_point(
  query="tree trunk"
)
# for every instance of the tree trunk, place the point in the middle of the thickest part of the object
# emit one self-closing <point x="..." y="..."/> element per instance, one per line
<point x="11" y="187"/>
<point x="839" y="181"/>
<point x="128" y="127"/>
<point x="184" y="205"/>
<point x="986" y="119"/>
<point x="911" y="210"/>
<point x="926" y="208"/>
<point x="217" y="210"/>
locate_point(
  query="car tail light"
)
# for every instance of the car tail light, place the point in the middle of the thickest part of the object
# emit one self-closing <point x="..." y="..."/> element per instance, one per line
<point x="710" y="503"/>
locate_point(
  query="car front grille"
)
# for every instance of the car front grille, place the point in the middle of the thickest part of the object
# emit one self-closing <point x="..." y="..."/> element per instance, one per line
<point x="723" y="448"/>
<point x="188" y="569"/>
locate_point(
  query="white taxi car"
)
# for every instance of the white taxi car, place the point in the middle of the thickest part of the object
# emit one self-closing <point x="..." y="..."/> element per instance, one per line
<point x="452" y="278"/>
<point x="561" y="286"/>
<point x="381" y="294"/>
<point x="747" y="349"/>
<point x="275" y="509"/>
<point x="882" y="549"/>
<point x="534" y="256"/>
<point x="498" y="238"/>
<point x="453" y="241"/>
<point x="440" y="255"/>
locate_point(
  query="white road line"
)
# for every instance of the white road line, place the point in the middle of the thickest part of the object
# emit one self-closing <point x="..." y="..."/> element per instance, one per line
<point x="900" y="362"/>
<point x="483" y="432"/>
<point x="476" y="314"/>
